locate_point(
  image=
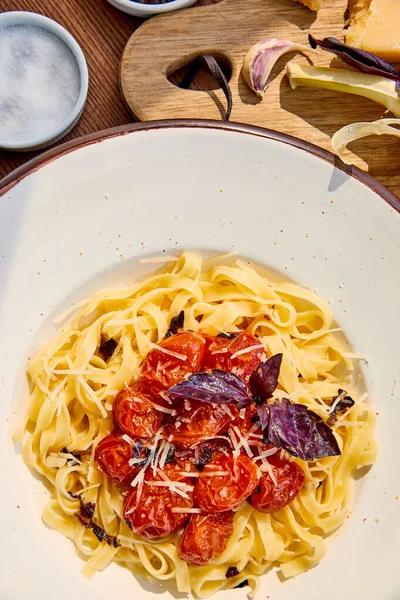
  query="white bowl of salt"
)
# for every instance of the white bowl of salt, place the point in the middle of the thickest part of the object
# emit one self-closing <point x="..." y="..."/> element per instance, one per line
<point x="43" y="81"/>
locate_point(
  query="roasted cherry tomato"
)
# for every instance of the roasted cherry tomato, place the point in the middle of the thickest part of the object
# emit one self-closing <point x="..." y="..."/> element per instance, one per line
<point x="221" y="353"/>
<point x="134" y="411"/>
<point x="113" y="454"/>
<point x="149" y="512"/>
<point x="205" y="537"/>
<point x="269" y="497"/>
<point x="216" y="353"/>
<point x="197" y="421"/>
<point x="250" y="423"/>
<point x="197" y="457"/>
<point x="183" y="356"/>
<point x="219" y="493"/>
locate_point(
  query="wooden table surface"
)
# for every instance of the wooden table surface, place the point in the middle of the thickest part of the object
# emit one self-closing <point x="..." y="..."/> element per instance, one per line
<point x="103" y="31"/>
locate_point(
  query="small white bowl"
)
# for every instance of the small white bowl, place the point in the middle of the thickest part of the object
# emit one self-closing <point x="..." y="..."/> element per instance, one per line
<point x="9" y="19"/>
<point x="147" y="10"/>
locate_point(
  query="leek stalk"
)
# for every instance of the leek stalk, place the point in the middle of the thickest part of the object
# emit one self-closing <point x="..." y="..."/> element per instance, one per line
<point x="375" y="88"/>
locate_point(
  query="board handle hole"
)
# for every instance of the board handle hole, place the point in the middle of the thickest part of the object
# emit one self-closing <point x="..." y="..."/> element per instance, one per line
<point x="193" y="75"/>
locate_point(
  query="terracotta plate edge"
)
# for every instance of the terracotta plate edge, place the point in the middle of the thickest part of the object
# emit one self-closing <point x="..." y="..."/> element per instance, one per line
<point x="47" y="157"/>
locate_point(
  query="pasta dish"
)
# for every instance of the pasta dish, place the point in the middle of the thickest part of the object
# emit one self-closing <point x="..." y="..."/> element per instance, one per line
<point x="201" y="426"/>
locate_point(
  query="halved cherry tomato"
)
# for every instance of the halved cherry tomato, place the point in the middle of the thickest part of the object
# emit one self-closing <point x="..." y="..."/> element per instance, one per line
<point x="149" y="512"/>
<point x="205" y="537"/>
<point x="219" y="352"/>
<point x="134" y="412"/>
<point x="226" y="492"/>
<point x="186" y="356"/>
<point x="269" y="497"/>
<point x="197" y="421"/>
<point x="113" y="454"/>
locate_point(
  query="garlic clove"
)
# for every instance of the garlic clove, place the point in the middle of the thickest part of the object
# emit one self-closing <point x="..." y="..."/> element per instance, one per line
<point x="260" y="60"/>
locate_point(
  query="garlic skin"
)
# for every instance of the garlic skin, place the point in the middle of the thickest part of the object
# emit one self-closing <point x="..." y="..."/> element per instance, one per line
<point x="260" y="60"/>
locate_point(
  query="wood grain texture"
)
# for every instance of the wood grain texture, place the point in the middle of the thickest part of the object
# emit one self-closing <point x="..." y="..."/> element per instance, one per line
<point x="314" y="115"/>
<point x="228" y="30"/>
<point x="102" y="32"/>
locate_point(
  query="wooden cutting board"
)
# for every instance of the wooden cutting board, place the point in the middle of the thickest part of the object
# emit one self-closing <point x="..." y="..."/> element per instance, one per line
<point x="228" y="29"/>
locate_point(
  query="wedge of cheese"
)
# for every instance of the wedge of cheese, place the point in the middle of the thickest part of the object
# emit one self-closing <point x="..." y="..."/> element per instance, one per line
<point x="375" y="27"/>
<point x="312" y="4"/>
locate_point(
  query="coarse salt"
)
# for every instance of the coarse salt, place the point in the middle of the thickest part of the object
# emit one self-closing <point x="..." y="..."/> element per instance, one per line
<point x="40" y="83"/>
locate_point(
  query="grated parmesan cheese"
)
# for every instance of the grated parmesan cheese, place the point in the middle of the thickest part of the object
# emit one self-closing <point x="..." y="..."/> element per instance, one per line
<point x="219" y="257"/>
<point x="338" y="399"/>
<point x="156" y="456"/>
<point x="43" y="388"/>
<point x="86" y="489"/>
<point x="164" y="454"/>
<point x="177" y="355"/>
<point x="153" y="450"/>
<point x="139" y="479"/>
<point x="167" y="411"/>
<point x="246" y="350"/>
<point x="234" y="442"/>
<point x="172" y="485"/>
<point x="194" y="511"/>
<point x="228" y="411"/>
<point x="178" y="484"/>
<point x="93" y="397"/>
<point x="70" y="457"/>
<point x="242" y="442"/>
<point x="135" y="461"/>
<point x="253" y="430"/>
<point x="267" y="468"/>
<point x="220" y="351"/>
<point x="165" y="397"/>
<point x="128" y="439"/>
<point x="266" y="453"/>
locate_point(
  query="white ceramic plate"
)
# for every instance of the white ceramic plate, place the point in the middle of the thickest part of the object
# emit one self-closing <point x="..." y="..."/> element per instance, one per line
<point x="79" y="218"/>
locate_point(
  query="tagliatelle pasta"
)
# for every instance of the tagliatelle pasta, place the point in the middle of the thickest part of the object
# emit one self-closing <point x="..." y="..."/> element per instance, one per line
<point x="73" y="388"/>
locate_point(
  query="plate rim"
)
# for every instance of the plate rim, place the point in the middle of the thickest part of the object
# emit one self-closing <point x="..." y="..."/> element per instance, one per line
<point x="33" y="165"/>
<point x="201" y="134"/>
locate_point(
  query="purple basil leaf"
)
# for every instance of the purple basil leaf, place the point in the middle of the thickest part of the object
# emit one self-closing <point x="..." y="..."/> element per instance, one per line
<point x="300" y="431"/>
<point x="218" y="387"/>
<point x="263" y="413"/>
<point x="359" y="59"/>
<point x="264" y="380"/>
